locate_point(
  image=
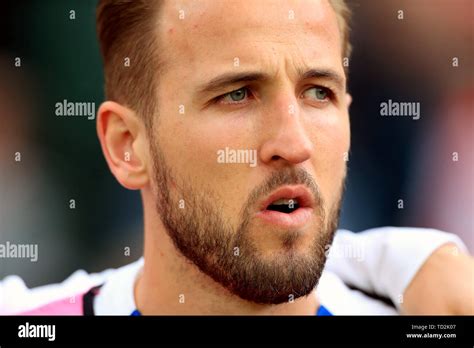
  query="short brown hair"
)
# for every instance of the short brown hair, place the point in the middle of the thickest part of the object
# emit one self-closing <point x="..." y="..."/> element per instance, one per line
<point x="344" y="15"/>
<point x="127" y="29"/>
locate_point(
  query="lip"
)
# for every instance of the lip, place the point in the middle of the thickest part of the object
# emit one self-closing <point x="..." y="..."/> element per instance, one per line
<point x="297" y="218"/>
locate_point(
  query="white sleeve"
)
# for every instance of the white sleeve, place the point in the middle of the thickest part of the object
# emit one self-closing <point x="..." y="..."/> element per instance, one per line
<point x="339" y="299"/>
<point x="384" y="260"/>
<point x="16" y="297"/>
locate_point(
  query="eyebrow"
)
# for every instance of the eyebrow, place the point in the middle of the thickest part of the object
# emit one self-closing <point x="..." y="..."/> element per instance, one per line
<point x="227" y="79"/>
<point x="325" y="74"/>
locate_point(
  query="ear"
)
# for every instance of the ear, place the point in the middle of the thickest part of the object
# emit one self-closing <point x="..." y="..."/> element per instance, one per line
<point x="348" y="100"/>
<point x="123" y="140"/>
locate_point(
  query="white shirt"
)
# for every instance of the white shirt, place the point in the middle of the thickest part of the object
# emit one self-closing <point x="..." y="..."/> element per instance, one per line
<point x="380" y="261"/>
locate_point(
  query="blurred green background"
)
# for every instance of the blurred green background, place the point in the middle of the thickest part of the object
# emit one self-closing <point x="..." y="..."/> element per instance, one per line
<point x="60" y="156"/>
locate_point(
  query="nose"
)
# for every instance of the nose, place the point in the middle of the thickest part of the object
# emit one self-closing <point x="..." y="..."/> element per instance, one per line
<point x="287" y="141"/>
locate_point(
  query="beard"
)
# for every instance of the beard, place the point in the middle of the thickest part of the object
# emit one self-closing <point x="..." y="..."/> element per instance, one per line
<point x="193" y="220"/>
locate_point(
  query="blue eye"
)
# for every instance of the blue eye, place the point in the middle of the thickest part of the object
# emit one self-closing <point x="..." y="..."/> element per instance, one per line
<point x="235" y="96"/>
<point x="317" y="93"/>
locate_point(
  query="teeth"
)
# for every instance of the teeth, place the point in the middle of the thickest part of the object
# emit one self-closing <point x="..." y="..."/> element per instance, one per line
<point x="284" y="201"/>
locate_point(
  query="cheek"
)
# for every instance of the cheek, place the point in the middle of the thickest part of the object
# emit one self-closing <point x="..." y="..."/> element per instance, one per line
<point x="191" y="150"/>
<point x="201" y="143"/>
<point x="331" y="143"/>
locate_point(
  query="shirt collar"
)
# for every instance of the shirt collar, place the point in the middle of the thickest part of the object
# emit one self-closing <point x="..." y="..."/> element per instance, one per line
<point x="116" y="297"/>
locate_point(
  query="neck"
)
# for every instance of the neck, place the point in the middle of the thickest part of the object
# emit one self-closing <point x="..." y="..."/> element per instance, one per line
<point x="171" y="284"/>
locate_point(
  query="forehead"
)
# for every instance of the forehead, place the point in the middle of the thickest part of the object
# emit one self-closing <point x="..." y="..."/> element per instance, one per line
<point x="201" y="36"/>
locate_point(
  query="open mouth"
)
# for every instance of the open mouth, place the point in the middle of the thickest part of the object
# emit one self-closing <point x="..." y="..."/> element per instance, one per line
<point x="288" y="199"/>
<point x="288" y="207"/>
<point x="284" y="205"/>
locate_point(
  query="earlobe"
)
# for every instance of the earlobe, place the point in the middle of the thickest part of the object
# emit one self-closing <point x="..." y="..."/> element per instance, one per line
<point x="121" y="133"/>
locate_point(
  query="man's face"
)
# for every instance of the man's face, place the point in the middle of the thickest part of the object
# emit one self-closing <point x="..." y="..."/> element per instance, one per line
<point x="283" y="64"/>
